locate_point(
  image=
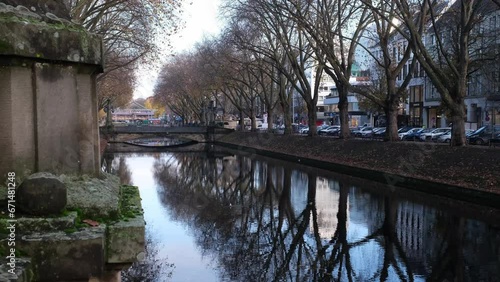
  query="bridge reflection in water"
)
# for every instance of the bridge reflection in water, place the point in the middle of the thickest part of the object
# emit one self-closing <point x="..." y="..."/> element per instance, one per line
<point x="249" y="218"/>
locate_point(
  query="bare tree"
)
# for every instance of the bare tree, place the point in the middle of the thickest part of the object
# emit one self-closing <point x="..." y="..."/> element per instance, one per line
<point x="117" y="87"/>
<point x="133" y="31"/>
<point x="245" y="34"/>
<point x="448" y="50"/>
<point x="334" y="29"/>
<point x="179" y="88"/>
<point x="393" y="64"/>
<point x="279" y="32"/>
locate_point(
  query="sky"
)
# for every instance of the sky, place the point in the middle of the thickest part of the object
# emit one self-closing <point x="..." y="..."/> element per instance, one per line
<point x="201" y="20"/>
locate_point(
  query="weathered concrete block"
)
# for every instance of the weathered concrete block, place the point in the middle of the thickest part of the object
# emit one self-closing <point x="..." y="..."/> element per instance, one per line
<point x="126" y="241"/>
<point x="42" y="194"/>
<point x="59" y="256"/>
<point x="47" y="60"/>
<point x="22" y="272"/>
<point x="93" y="196"/>
<point x="46" y="36"/>
<point x="126" y="238"/>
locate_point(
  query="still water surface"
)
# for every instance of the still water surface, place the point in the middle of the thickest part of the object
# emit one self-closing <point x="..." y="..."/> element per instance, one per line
<point x="232" y="217"/>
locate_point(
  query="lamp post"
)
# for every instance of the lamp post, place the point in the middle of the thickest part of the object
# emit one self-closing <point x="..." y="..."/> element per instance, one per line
<point x="211" y="109"/>
<point x="107" y="109"/>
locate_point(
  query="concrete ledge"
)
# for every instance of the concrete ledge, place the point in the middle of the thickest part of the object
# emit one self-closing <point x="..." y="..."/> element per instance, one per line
<point x="440" y="189"/>
<point x="126" y="241"/>
<point x="59" y="256"/>
<point x="55" y="40"/>
<point x="23" y="272"/>
<point x="96" y="198"/>
<point x="126" y="238"/>
<point x="27" y="225"/>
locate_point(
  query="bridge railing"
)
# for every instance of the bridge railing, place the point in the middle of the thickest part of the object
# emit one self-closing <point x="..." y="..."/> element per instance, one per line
<point x="141" y="129"/>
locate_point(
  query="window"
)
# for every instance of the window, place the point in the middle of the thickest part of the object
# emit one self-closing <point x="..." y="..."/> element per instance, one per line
<point x="415" y="113"/>
<point x="416" y="94"/>
<point x="405" y="71"/>
<point x="416" y="70"/>
<point x="433" y="39"/>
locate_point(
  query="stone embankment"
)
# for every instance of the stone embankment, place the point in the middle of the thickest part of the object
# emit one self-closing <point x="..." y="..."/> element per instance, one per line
<point x="467" y="173"/>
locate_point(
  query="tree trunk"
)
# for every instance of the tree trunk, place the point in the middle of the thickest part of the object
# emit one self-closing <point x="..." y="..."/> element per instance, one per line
<point x="343" y="106"/>
<point x="253" y="125"/>
<point x="287" y="119"/>
<point x="241" y="122"/>
<point x="391" y="133"/>
<point x="458" y="125"/>
<point x="311" y="117"/>
<point x="270" y="120"/>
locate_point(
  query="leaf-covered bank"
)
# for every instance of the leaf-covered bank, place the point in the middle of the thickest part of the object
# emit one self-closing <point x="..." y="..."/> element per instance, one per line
<point x="473" y="167"/>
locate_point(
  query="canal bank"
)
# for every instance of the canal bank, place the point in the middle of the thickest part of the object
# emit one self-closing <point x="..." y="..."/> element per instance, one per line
<point x="464" y="173"/>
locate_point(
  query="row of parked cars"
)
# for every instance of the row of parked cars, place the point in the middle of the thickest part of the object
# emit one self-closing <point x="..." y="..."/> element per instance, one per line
<point x="480" y="136"/>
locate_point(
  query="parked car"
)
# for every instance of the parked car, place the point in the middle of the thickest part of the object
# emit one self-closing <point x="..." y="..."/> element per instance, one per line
<point x="404" y="129"/>
<point x="362" y="131"/>
<point x="297" y="127"/>
<point x="370" y="133"/>
<point x="446" y="138"/>
<point x="334" y="131"/>
<point x="330" y="130"/>
<point x="435" y="136"/>
<point x="321" y="127"/>
<point x="380" y="133"/>
<point x="304" y="130"/>
<point x="483" y="135"/>
<point x="403" y="133"/>
<point x="415" y="135"/>
<point x="321" y="131"/>
<point x="434" y="133"/>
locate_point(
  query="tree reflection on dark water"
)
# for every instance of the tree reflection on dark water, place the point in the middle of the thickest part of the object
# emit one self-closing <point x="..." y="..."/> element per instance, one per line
<point x="151" y="269"/>
<point x="271" y="221"/>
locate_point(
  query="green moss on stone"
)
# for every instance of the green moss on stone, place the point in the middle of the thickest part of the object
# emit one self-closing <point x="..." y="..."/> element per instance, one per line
<point x="4" y="46"/>
<point x="130" y="202"/>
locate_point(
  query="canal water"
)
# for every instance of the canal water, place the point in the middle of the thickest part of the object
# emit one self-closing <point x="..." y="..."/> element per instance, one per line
<point x="227" y="216"/>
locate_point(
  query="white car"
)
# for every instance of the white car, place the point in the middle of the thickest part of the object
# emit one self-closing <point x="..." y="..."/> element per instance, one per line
<point x="363" y="131"/>
<point x="446" y="138"/>
<point x="434" y="134"/>
<point x="304" y="130"/>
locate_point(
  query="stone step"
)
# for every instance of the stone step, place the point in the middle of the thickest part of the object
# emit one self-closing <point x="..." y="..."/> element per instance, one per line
<point x="28" y="225"/>
<point x="20" y="272"/>
<point x="59" y="256"/>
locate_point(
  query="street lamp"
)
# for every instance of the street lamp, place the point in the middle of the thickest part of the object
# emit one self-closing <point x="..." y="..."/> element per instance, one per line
<point x="211" y="108"/>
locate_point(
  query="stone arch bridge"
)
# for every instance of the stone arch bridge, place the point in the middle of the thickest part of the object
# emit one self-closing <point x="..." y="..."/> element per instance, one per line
<point x="202" y="134"/>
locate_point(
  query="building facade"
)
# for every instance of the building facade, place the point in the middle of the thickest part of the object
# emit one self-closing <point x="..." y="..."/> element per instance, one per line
<point x="133" y="112"/>
<point x="357" y="116"/>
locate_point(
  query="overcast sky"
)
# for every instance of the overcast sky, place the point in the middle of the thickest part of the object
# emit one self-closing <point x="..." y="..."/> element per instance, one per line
<point x="201" y="20"/>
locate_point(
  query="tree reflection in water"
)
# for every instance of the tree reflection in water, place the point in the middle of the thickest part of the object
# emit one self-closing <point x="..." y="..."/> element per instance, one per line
<point x="264" y="221"/>
<point x="119" y="167"/>
<point x="151" y="269"/>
